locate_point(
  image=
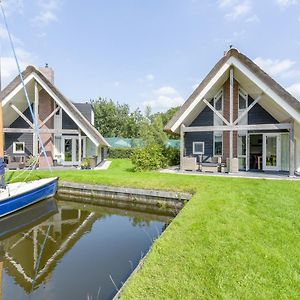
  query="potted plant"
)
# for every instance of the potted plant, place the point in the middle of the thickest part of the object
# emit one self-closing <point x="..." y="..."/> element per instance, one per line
<point x="85" y="164"/>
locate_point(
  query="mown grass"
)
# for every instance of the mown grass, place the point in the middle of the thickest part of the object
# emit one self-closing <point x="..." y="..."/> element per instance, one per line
<point x="236" y="239"/>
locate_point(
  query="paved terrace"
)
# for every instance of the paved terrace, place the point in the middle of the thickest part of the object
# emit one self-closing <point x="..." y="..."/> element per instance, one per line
<point x="242" y="174"/>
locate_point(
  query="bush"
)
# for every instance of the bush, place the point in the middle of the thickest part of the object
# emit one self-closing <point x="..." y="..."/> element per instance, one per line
<point x="121" y="152"/>
<point x="172" y="155"/>
<point x="149" y="158"/>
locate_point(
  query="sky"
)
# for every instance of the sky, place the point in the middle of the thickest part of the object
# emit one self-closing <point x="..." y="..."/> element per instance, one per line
<point x="149" y="52"/>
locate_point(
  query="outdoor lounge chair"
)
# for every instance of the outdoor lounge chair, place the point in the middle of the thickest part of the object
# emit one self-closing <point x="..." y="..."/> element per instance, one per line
<point x="15" y="162"/>
<point x="211" y="167"/>
<point x="189" y="164"/>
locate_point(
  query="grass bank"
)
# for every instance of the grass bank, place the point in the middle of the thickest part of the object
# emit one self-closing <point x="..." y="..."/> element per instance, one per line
<point x="236" y="238"/>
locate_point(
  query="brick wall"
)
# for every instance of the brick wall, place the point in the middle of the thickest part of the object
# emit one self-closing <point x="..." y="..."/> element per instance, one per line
<point x="226" y="112"/>
<point x="46" y="106"/>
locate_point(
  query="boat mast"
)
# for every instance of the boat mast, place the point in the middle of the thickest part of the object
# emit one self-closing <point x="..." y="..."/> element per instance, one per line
<point x="2" y="164"/>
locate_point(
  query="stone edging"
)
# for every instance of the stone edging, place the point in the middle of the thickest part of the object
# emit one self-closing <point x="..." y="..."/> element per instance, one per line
<point x="121" y="194"/>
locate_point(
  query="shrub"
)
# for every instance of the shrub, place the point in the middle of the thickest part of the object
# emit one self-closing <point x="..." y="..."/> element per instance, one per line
<point x="172" y="155"/>
<point x="149" y="158"/>
<point x="85" y="164"/>
<point x="121" y="152"/>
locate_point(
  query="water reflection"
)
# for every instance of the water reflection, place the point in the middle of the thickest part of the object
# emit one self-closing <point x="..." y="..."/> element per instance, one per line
<point x="71" y="251"/>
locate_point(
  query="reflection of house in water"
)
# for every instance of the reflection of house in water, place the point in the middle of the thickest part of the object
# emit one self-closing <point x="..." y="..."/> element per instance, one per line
<point x="30" y="255"/>
<point x="25" y="258"/>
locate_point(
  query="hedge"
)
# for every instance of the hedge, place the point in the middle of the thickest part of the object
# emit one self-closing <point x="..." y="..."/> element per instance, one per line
<point x="121" y="152"/>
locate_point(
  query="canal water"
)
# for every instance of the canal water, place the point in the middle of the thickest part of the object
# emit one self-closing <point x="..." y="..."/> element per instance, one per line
<point x="69" y="250"/>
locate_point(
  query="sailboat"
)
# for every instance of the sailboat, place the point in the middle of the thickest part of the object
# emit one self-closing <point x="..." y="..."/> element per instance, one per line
<point x="16" y="196"/>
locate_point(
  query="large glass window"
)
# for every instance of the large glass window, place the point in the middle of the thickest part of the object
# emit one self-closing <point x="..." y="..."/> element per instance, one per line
<point x="218" y="144"/>
<point x="198" y="147"/>
<point x="218" y="101"/>
<point x="243" y="100"/>
<point x="242" y="152"/>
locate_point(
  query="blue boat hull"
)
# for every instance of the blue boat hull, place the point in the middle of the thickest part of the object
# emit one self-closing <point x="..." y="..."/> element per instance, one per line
<point x="27" y="198"/>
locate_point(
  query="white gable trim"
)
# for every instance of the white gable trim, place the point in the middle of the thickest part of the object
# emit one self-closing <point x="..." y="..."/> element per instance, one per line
<point x="9" y="97"/>
<point x="267" y="90"/>
<point x="65" y="108"/>
<point x="249" y="74"/>
<point x="35" y="76"/>
<point x="202" y="94"/>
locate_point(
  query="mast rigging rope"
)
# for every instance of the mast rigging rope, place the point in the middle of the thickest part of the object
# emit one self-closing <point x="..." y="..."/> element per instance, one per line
<point x="35" y="123"/>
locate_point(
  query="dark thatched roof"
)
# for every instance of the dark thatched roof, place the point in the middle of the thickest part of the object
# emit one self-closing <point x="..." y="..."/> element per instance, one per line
<point x="247" y="62"/>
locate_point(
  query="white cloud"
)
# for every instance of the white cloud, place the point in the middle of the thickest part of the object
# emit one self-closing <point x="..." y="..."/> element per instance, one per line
<point x="8" y="64"/>
<point x="239" y="10"/>
<point x="224" y="3"/>
<point x="13" y="6"/>
<point x="4" y="36"/>
<point x="286" y="3"/>
<point x="9" y="67"/>
<point x="166" y="91"/>
<point x="294" y="89"/>
<point x="276" y="67"/>
<point x="164" y="98"/>
<point x="150" y="77"/>
<point x="147" y="78"/>
<point x="253" y="19"/>
<point x="48" y="12"/>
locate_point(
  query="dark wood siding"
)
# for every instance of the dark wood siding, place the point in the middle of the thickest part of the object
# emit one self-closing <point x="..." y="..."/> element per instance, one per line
<point x="20" y="122"/>
<point x="10" y="138"/>
<point x="67" y="122"/>
<point x="27" y="138"/>
<point x="205" y="118"/>
<point x="84" y="108"/>
<point x="258" y="115"/>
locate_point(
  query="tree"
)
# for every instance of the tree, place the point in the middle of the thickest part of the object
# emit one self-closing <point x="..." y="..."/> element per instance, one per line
<point x="115" y="120"/>
<point x="166" y="117"/>
<point x="152" y="129"/>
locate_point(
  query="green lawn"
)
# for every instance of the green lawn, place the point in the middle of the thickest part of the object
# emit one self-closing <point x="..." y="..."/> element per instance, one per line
<point x="236" y="238"/>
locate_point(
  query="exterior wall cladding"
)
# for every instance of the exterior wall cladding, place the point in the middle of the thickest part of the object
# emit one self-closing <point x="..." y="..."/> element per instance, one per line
<point x="46" y="106"/>
<point x="257" y="115"/>
<point x="10" y="138"/>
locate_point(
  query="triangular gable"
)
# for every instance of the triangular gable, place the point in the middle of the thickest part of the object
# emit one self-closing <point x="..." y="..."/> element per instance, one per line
<point x="32" y="73"/>
<point x="249" y="69"/>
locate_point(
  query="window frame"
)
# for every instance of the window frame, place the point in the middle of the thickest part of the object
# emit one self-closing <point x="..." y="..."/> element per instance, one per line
<point x="216" y="97"/>
<point x="203" y="147"/>
<point x="214" y="144"/>
<point x="244" y="95"/>
<point x="15" y="151"/>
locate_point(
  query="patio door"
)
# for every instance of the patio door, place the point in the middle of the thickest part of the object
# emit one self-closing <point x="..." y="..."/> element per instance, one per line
<point x="271" y="151"/>
<point x="68" y="150"/>
<point x="243" y="151"/>
<point x="71" y="149"/>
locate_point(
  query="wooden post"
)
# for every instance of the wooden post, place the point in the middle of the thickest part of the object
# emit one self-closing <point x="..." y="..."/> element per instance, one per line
<point x="181" y="145"/>
<point x="79" y="147"/>
<point x="231" y="116"/>
<point x="292" y="151"/>
<point x="36" y="115"/>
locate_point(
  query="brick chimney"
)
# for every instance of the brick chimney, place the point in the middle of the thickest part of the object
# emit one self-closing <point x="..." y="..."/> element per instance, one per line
<point x="48" y="73"/>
